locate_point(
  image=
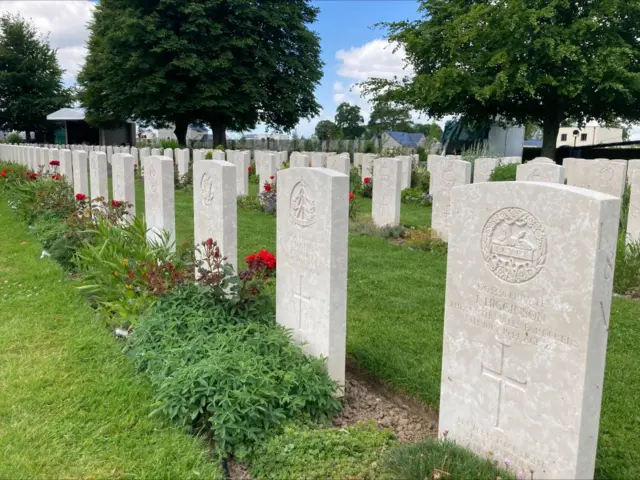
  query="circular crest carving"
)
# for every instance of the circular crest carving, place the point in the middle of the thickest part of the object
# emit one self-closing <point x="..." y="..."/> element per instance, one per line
<point x="448" y="176"/>
<point x="514" y="245"/>
<point x="206" y="189"/>
<point x="302" y="207"/>
<point x="153" y="179"/>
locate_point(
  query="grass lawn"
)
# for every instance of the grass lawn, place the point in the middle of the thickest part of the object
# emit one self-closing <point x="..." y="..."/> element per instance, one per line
<point x="71" y="405"/>
<point x="395" y="316"/>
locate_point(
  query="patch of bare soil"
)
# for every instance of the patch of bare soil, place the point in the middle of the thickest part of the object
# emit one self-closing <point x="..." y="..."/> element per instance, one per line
<point x="368" y="399"/>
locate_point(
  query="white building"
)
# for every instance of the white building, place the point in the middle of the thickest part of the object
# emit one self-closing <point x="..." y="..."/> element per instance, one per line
<point x="592" y="134"/>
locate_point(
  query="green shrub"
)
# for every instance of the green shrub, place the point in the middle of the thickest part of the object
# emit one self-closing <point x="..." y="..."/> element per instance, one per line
<point x="168" y="143"/>
<point x="424" y="238"/>
<point x="624" y="209"/>
<point x="423" y="460"/>
<point x="365" y="226"/>
<point x="504" y="173"/>
<point x="369" y="147"/>
<point x="249" y="202"/>
<point x="415" y="196"/>
<point x="332" y="453"/>
<point x="14" y="138"/>
<point x="626" y="279"/>
<point x="231" y="372"/>
<point x="253" y="173"/>
<point x="420" y="178"/>
<point x="423" y="155"/>
<point x="367" y="187"/>
<point x="123" y="273"/>
<point x="355" y="181"/>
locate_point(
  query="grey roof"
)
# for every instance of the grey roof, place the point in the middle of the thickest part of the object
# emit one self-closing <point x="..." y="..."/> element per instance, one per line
<point x="67" y="114"/>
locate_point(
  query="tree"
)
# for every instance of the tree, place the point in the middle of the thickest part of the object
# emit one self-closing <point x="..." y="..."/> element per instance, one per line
<point x="520" y="61"/>
<point x="31" y="84"/>
<point x="532" y="131"/>
<point x="388" y="116"/>
<point x="227" y="63"/>
<point x="326" y="130"/>
<point x="431" y="130"/>
<point x="349" y="120"/>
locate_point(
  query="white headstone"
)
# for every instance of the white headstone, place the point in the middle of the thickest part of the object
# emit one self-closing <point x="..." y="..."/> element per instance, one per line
<point x="143" y="153"/>
<point x="540" y="172"/>
<point x="339" y="163"/>
<point x="367" y="165"/>
<point x="268" y="169"/>
<point x="318" y="159"/>
<point x="633" y="219"/>
<point x="80" y="173"/>
<point x="298" y="160"/>
<point x="528" y="296"/>
<point x="98" y="176"/>
<point x="182" y="161"/>
<point x="198" y="155"/>
<point x="156" y="152"/>
<point x="357" y="159"/>
<point x="218" y="155"/>
<point x="214" y="207"/>
<point x="406" y="171"/>
<point x="435" y="163"/>
<point x="452" y="173"/>
<point x="600" y="175"/>
<point x="66" y="166"/>
<point x="159" y="198"/>
<point x="123" y="176"/>
<point x="135" y="155"/>
<point x="242" y="163"/>
<point x="387" y="186"/>
<point x="168" y="152"/>
<point x="482" y="169"/>
<point x="311" y="285"/>
<point x="542" y="160"/>
<point x="632" y="166"/>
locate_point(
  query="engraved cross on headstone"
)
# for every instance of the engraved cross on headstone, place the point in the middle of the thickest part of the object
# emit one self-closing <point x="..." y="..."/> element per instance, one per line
<point x="301" y="298"/>
<point x="503" y="381"/>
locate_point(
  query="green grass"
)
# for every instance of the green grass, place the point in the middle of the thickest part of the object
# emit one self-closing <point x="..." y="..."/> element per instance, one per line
<point x="71" y="405"/>
<point x="395" y="320"/>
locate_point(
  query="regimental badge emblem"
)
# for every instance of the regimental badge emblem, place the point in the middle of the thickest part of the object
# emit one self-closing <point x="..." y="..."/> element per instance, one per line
<point x="302" y="207"/>
<point x="206" y="189"/>
<point x="514" y="245"/>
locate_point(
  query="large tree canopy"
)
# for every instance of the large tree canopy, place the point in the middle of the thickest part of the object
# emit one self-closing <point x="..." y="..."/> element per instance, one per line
<point x="349" y="120"/>
<point x="31" y="84"/>
<point x="227" y="63"/>
<point x="388" y="116"/>
<point x="522" y="61"/>
<point x="327" y="130"/>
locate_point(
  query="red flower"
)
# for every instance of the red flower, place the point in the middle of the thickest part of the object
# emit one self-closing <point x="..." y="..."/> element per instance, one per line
<point x="262" y="258"/>
<point x="271" y="177"/>
<point x="115" y="203"/>
<point x="81" y="197"/>
<point x="54" y="163"/>
<point x="249" y="169"/>
<point x="209" y="241"/>
<point x="3" y="174"/>
<point x="55" y="176"/>
<point x="135" y="165"/>
<point x="367" y="180"/>
<point x="351" y="196"/>
<point x="32" y="176"/>
<point x="267" y="187"/>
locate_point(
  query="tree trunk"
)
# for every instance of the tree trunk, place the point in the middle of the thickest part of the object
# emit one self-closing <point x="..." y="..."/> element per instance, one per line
<point x="218" y="130"/>
<point x="550" y="128"/>
<point x="182" y="125"/>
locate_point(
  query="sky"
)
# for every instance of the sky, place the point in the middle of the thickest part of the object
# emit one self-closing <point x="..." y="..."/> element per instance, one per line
<point x="352" y="50"/>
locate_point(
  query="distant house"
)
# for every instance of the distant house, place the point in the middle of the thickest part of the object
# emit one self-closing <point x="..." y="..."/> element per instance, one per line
<point x="403" y="140"/>
<point x="592" y="134"/>
<point x="72" y="129"/>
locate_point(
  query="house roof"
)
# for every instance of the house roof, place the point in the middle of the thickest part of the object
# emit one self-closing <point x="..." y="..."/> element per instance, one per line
<point x="67" y="114"/>
<point x="406" y="139"/>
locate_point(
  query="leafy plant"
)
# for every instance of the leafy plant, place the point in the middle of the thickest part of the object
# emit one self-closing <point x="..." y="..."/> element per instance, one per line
<point x="504" y="173"/>
<point x="355" y="180"/>
<point x="231" y="373"/>
<point x="415" y="196"/>
<point x="253" y="173"/>
<point x="365" y="226"/>
<point x="249" y="202"/>
<point x="431" y="458"/>
<point x="328" y="453"/>
<point x="424" y="238"/>
<point x="14" y="137"/>
<point x="367" y="187"/>
<point x="169" y="143"/>
<point x="420" y="178"/>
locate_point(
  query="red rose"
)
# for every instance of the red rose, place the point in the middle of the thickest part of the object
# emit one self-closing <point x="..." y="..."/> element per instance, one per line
<point x="271" y="177"/>
<point x="135" y="165"/>
<point x="267" y="187"/>
<point x="81" y="197"/>
<point x="115" y="203"/>
<point x="351" y="196"/>
<point x="55" y="176"/>
<point x="54" y="163"/>
<point x="3" y="174"/>
<point x="267" y="258"/>
<point x="249" y="169"/>
<point x="209" y="241"/>
<point x="367" y="180"/>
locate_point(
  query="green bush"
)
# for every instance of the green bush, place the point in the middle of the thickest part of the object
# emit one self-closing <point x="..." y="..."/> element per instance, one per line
<point x="365" y="226"/>
<point x="253" y="174"/>
<point x="626" y="279"/>
<point x="422" y="460"/>
<point x="415" y="196"/>
<point x="504" y="173"/>
<point x="355" y="181"/>
<point x="303" y="453"/>
<point x="14" y="138"/>
<point x="423" y="155"/>
<point x="424" y="238"/>
<point x="367" y="187"/>
<point x="228" y="371"/>
<point x="420" y="178"/>
<point x="168" y="143"/>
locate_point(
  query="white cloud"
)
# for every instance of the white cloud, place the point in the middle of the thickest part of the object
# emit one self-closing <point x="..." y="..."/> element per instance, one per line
<point x="66" y="24"/>
<point x="377" y="59"/>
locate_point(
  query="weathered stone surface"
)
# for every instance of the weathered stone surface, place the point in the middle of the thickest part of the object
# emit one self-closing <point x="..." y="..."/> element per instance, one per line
<point x="339" y="163"/>
<point x="198" y="154"/>
<point x="318" y="159"/>
<point x="540" y="172"/>
<point x="214" y="207"/>
<point x="447" y="174"/>
<point x="483" y="167"/>
<point x="156" y="152"/>
<point x="182" y="161"/>
<point x="633" y="220"/>
<point x="123" y="176"/>
<point x="407" y="167"/>
<point x="80" y="173"/>
<point x="632" y="166"/>
<point x="298" y="160"/>
<point x="268" y="169"/>
<point x="528" y="296"/>
<point x="168" y="152"/>
<point x="600" y="175"/>
<point x="542" y="160"/>
<point x="387" y="186"/>
<point x="98" y="175"/>
<point x="311" y="285"/>
<point x="357" y="159"/>
<point x="218" y="155"/>
<point x="434" y="164"/>
<point x="242" y="163"/>
<point x="367" y="165"/>
<point x="66" y="166"/>
<point x="159" y="198"/>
